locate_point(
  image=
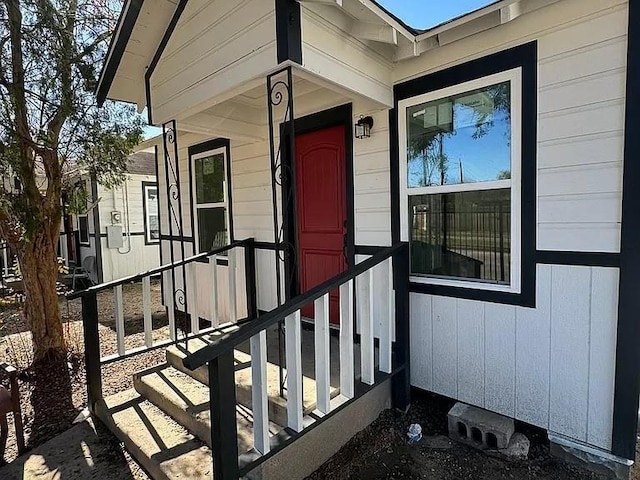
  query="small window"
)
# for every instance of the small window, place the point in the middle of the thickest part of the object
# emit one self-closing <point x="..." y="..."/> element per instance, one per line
<point x="210" y="185"/>
<point x="83" y="229"/>
<point x="151" y="219"/>
<point x="461" y="170"/>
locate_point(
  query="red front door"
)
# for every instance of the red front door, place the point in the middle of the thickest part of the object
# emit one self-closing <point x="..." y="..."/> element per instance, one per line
<point x="321" y="205"/>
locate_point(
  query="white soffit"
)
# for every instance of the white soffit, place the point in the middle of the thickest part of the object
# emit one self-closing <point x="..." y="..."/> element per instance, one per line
<point x="128" y="83"/>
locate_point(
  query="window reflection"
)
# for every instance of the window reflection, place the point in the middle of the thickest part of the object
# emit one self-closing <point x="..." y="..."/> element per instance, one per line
<point x="463" y="138"/>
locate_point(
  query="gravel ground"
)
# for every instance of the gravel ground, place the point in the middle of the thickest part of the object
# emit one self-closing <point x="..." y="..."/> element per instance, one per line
<point x="382" y="452"/>
<point x="58" y="409"/>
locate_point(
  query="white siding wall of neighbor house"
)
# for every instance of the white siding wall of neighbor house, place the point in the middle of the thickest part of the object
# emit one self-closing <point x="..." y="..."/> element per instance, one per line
<point x="552" y="366"/>
<point x="216" y="46"/>
<point x="118" y="263"/>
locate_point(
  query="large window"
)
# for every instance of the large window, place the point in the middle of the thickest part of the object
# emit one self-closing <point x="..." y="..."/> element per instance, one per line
<point x="151" y="218"/>
<point x="460" y="176"/>
<point x="210" y="199"/>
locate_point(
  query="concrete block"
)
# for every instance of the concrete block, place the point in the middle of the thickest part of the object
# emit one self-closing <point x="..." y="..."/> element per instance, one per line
<point x="479" y="428"/>
<point x="593" y="459"/>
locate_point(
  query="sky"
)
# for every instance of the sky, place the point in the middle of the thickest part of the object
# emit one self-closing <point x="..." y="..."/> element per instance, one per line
<point x="424" y="14"/>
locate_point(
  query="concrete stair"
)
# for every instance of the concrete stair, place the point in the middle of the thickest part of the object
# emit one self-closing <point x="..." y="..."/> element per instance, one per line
<point x="187" y="402"/>
<point x="277" y="404"/>
<point x="164" y="448"/>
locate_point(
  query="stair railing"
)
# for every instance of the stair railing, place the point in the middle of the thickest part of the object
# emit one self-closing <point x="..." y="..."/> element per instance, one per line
<point x="390" y="287"/>
<point x="90" y="314"/>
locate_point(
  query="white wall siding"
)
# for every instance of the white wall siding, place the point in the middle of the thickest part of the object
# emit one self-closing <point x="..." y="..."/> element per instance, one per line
<point x="551" y="366"/>
<point x="500" y="358"/>
<point x="582" y="48"/>
<point x="602" y="364"/>
<point x="470" y="336"/>
<point x="421" y="327"/>
<point x="216" y="46"/>
<point x="533" y="327"/>
<point x="445" y="346"/>
<point x="372" y="180"/>
<point x="569" y="365"/>
<point x="330" y="51"/>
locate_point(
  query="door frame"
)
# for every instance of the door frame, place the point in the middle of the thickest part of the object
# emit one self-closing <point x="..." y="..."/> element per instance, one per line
<point x="337" y="116"/>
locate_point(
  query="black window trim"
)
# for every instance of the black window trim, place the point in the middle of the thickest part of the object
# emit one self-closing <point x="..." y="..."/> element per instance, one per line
<point x="523" y="56"/>
<point x="214" y="144"/>
<point x="87" y="242"/>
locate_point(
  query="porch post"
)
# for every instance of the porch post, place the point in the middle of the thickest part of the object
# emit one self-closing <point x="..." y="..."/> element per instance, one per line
<point x="401" y="388"/>
<point x="250" y="278"/>
<point x="91" y="349"/>
<point x="224" y="432"/>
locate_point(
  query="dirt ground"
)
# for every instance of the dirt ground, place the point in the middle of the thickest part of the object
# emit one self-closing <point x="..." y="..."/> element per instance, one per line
<point x="46" y="407"/>
<point x="382" y="452"/>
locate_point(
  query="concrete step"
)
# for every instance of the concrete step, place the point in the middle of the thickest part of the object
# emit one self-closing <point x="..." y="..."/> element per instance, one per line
<point x="165" y="449"/>
<point x="277" y="404"/>
<point x="187" y="402"/>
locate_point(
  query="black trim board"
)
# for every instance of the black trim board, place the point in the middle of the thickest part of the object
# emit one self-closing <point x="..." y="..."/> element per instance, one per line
<point x="117" y="47"/>
<point x="627" y="384"/>
<point x="337" y="116"/>
<point x="523" y="56"/>
<point x="177" y="238"/>
<point x="156" y="57"/>
<point x="584" y="259"/>
<point x="202" y="147"/>
<point x="288" y="31"/>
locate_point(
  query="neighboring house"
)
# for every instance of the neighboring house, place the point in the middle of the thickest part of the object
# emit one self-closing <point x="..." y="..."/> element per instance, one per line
<point x="126" y="221"/>
<point x="500" y="145"/>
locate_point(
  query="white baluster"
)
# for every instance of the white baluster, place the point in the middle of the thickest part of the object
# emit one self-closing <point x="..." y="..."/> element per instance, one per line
<point x="232" y="285"/>
<point x="346" y="340"/>
<point x="384" y="290"/>
<point x="169" y="303"/>
<point x="259" y="399"/>
<point x="146" y="308"/>
<point x="323" y="359"/>
<point x="364" y="297"/>
<point x="213" y="268"/>
<point x="119" y="318"/>
<point x="294" y="371"/>
<point x="192" y="297"/>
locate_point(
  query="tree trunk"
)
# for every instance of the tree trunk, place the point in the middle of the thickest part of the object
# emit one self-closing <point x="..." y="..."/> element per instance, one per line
<point x="39" y="268"/>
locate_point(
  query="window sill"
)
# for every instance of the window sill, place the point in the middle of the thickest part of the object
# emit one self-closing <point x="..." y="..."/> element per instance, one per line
<point x="465" y="284"/>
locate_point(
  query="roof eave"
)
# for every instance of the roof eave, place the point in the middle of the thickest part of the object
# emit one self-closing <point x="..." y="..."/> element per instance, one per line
<point x="119" y="41"/>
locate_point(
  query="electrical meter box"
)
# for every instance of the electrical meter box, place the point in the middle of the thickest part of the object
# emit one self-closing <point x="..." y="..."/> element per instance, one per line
<point x="114" y="236"/>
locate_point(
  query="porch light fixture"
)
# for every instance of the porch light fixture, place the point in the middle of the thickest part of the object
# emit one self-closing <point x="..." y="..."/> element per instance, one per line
<point x="363" y="127"/>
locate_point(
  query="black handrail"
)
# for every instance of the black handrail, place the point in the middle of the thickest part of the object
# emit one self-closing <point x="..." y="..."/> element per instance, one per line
<point x="230" y="341"/>
<point x="160" y="269"/>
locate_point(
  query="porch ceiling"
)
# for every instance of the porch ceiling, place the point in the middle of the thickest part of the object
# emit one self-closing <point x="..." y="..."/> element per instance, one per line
<point x="243" y="117"/>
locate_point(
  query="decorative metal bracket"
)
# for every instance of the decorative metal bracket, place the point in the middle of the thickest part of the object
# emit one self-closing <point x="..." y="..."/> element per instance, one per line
<point x="174" y="204"/>
<point x="281" y="127"/>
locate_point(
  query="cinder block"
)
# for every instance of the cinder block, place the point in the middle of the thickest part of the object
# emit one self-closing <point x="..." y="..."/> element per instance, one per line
<point x="479" y="428"/>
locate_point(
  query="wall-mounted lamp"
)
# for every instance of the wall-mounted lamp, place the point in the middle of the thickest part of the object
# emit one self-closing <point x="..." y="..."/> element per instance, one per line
<point x="363" y="127"/>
